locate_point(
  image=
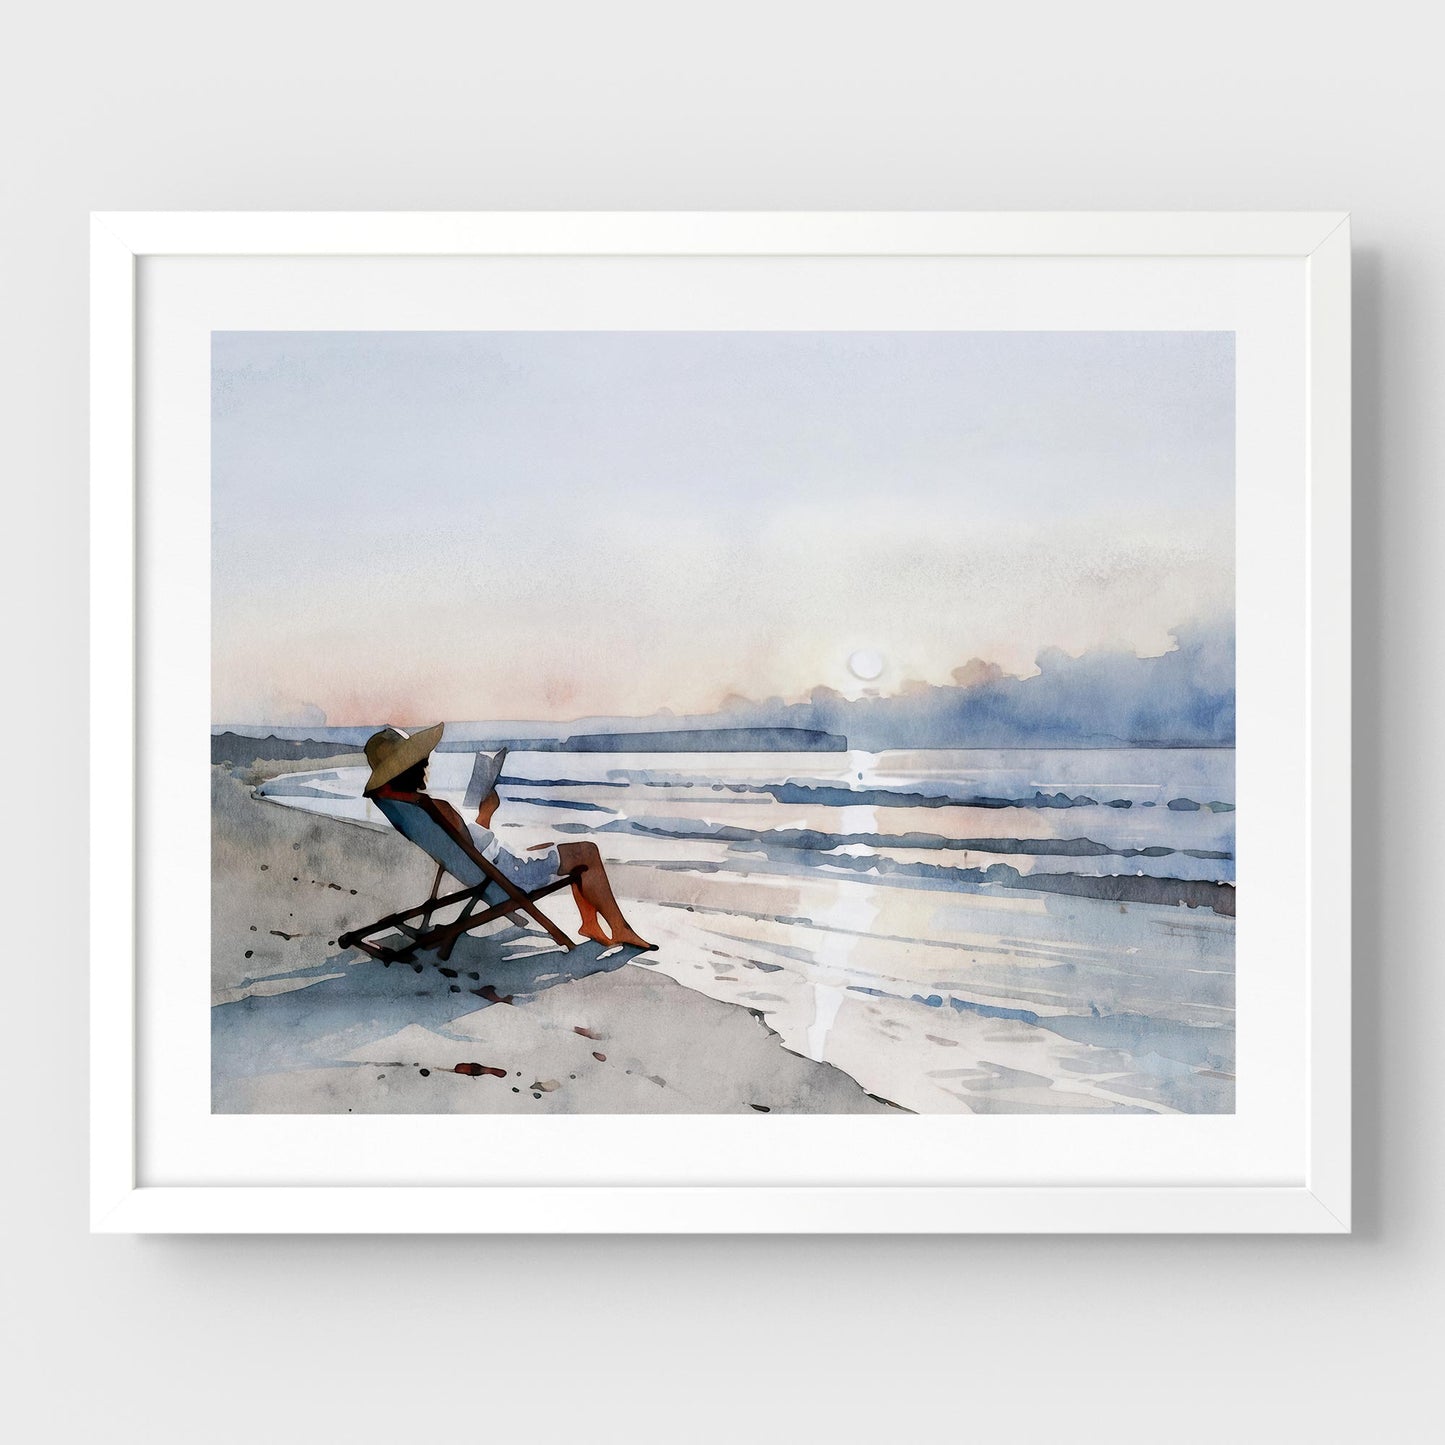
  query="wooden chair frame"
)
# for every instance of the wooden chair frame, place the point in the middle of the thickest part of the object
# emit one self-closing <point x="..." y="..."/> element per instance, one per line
<point x="416" y="922"/>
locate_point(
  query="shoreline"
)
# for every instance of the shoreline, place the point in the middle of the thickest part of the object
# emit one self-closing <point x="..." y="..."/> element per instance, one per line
<point x="511" y="1024"/>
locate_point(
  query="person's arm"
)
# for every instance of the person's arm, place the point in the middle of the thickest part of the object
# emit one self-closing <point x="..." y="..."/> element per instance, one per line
<point x="482" y="839"/>
<point x="524" y="872"/>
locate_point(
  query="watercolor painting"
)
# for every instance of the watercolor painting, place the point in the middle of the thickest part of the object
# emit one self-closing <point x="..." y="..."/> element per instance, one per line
<point x="723" y="722"/>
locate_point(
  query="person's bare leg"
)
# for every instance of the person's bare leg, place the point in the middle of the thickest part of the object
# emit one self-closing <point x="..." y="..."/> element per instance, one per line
<point x="590" y="927"/>
<point x="594" y="895"/>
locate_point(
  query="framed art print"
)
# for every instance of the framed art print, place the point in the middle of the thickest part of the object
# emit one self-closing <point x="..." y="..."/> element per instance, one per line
<point x="648" y="722"/>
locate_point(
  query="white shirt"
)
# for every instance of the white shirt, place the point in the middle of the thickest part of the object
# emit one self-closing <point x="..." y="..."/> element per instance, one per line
<point x="527" y="873"/>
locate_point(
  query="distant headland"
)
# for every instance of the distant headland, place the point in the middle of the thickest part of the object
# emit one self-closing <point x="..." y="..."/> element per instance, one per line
<point x="241" y="748"/>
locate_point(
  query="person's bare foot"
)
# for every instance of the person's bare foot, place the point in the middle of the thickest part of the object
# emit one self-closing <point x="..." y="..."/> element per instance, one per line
<point x="623" y="938"/>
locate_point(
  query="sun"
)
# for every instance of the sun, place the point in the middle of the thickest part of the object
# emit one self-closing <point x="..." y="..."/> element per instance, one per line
<point x="866" y="665"/>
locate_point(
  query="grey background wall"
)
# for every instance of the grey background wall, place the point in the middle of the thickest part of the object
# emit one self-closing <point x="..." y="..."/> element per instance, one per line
<point x="743" y="105"/>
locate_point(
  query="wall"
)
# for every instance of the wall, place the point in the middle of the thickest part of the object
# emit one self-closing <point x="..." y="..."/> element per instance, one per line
<point x="627" y="105"/>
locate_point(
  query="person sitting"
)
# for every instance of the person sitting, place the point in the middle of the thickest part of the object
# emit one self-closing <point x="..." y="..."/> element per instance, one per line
<point x="398" y="772"/>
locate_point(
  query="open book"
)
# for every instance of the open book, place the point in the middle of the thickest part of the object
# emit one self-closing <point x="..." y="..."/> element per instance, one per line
<point x="486" y="769"/>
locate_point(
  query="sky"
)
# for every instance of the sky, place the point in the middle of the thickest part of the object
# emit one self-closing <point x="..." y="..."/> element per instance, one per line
<point x="411" y="526"/>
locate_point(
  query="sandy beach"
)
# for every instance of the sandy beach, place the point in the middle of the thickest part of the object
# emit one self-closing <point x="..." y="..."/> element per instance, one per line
<point x="511" y="1024"/>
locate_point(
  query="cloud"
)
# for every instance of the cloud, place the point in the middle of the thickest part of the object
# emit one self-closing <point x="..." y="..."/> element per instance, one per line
<point x="1101" y="697"/>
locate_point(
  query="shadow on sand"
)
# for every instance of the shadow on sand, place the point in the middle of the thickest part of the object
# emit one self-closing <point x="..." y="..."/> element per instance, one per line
<point x="356" y="999"/>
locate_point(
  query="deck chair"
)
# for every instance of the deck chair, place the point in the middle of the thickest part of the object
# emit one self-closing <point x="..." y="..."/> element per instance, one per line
<point x="484" y="887"/>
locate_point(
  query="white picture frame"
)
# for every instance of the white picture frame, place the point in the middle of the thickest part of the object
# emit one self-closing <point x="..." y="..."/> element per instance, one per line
<point x="1313" y="255"/>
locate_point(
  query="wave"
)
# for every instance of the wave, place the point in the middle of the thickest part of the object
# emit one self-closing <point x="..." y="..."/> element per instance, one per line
<point x="828" y="795"/>
<point x="790" y="847"/>
<point x="564" y="782"/>
<point x="1106" y="887"/>
<point x="575" y="805"/>
<point x="836" y="797"/>
<point x="812" y="840"/>
<point x="1122" y="888"/>
<point x="283" y="787"/>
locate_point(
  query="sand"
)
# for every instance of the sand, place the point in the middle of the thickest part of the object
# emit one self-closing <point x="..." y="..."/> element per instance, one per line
<point x="511" y="1024"/>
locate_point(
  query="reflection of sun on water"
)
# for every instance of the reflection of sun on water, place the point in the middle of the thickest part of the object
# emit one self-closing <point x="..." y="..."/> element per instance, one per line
<point x="851" y="913"/>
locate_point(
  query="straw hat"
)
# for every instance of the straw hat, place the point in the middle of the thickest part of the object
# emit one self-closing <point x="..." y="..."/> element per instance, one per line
<point x="391" y="752"/>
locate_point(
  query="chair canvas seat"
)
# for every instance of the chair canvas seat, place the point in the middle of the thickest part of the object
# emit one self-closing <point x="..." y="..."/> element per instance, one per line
<point x="418" y="826"/>
<point x="483" y="884"/>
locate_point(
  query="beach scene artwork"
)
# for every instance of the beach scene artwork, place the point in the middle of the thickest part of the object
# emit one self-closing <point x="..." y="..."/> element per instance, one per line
<point x="723" y="722"/>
